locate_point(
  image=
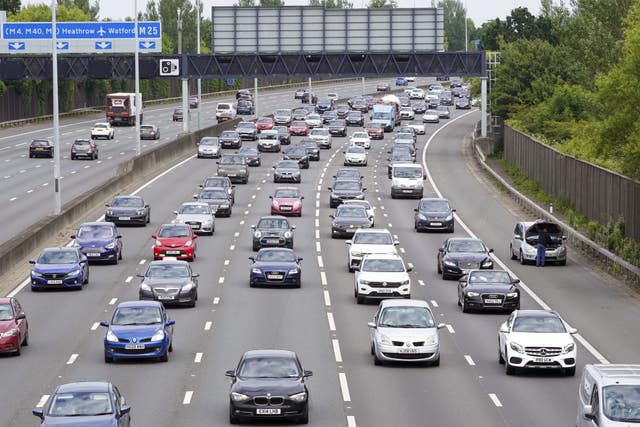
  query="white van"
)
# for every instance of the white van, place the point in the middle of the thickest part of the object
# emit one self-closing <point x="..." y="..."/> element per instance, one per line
<point x="226" y="107"/>
<point x="609" y="396"/>
<point x="407" y="180"/>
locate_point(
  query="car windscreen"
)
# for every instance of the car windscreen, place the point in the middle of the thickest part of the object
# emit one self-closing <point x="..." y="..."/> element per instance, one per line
<point x="100" y="125"/>
<point x="299" y="124"/>
<point x="382" y="265"/>
<point x="136" y="316"/>
<point x="209" y="141"/>
<point x="347" y="173"/>
<point x="167" y="271"/>
<point x="216" y="182"/>
<point x="282" y="113"/>
<point x="351" y="212"/>
<point x="247" y="125"/>
<point x="95" y="232"/>
<point x="223" y="107"/>
<point x="538" y="324"/>
<point x="381" y="115"/>
<point x="295" y="151"/>
<point x="466" y="246"/>
<point x="248" y="151"/>
<point x="195" y="210"/>
<point x="81" y="142"/>
<point x="355" y="150"/>
<point x="213" y="194"/>
<point x="406" y="317"/>
<point x="269" y="135"/>
<point x="372" y="239"/>
<point x="38" y="143"/>
<point x="287" y="193"/>
<point x="319" y="131"/>
<point x="174" y="231"/>
<point x="232" y="160"/>
<point x="265" y="121"/>
<point x="360" y="135"/>
<point x="347" y="185"/>
<point x="621" y="403"/>
<point x="6" y="312"/>
<point x="411" y="172"/>
<point x="81" y="403"/>
<point x="313" y="117"/>
<point x="269" y="367"/>
<point x="146" y="128"/>
<point x="434" y="206"/>
<point x="270" y="223"/>
<point x="479" y="277"/>
<point x="127" y="202"/>
<point x="289" y="164"/>
<point x="58" y="257"/>
<point x="275" y="256"/>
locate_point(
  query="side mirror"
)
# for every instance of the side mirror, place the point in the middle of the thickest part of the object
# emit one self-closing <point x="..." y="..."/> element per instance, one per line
<point x="274" y="167"/>
<point x="424" y="177"/>
<point x="38" y="412"/>
<point x="371" y="325"/>
<point x="441" y="325"/>
<point x="73" y="236"/>
<point x="21" y="316"/>
<point x="307" y="374"/>
<point x="453" y="210"/>
<point x="271" y="197"/>
<point x="106" y="204"/>
<point x="301" y="197"/>
<point x="516" y="281"/>
<point x="416" y="210"/>
<point x="217" y="163"/>
<point x="153" y="236"/>
<point x="441" y="250"/>
<point x="139" y="275"/>
<point x="195" y="196"/>
<point x="517" y="237"/>
<point x="490" y="250"/>
<point x="105" y="324"/>
<point x="348" y="242"/>
<point x="170" y="322"/>
<point x="396" y="243"/>
<point x="195" y="275"/>
<point x="299" y="258"/>
<point x="293" y="227"/>
<point x="119" y="236"/>
<point x="409" y="267"/>
<point x="201" y="186"/>
<point x="332" y="216"/>
<point x="587" y="411"/>
<point x="573" y="331"/>
<point x="146" y="206"/>
<point x="125" y="409"/>
<point x="564" y="237"/>
<point x="32" y="261"/>
<point x="364" y="189"/>
<point x="175" y="212"/>
<point x="195" y="236"/>
<point x="252" y="258"/>
<point x="504" y="328"/>
<point x="230" y="373"/>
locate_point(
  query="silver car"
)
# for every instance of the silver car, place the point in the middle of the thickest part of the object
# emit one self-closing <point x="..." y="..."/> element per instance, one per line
<point x="404" y="331"/>
<point x="322" y="136"/>
<point x="198" y="215"/>
<point x="209" y="146"/>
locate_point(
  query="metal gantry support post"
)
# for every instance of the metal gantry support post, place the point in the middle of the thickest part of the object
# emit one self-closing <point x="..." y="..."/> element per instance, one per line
<point x="363" y="90"/>
<point x="138" y="95"/>
<point x="198" y="52"/>
<point x="310" y="97"/>
<point x="483" y="107"/>
<point x="185" y="82"/>
<point x="255" y="97"/>
<point x="57" y="185"/>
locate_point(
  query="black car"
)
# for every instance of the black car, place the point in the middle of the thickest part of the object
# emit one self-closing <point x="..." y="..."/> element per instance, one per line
<point x="218" y="199"/>
<point x="433" y="214"/>
<point x="463" y="104"/>
<point x="344" y="189"/>
<point x="170" y="282"/>
<point x="305" y="98"/>
<point x="40" y="148"/>
<point x="269" y="384"/>
<point x="274" y="230"/>
<point x="488" y="290"/>
<point x="221" y="181"/>
<point x="355" y="118"/>
<point x="251" y="155"/>
<point x="298" y="154"/>
<point x="347" y="219"/>
<point x="194" y="101"/>
<point x="329" y="115"/>
<point x="230" y="139"/>
<point x="287" y="171"/>
<point x="324" y="105"/>
<point x="342" y="110"/>
<point x="283" y="134"/>
<point x="275" y="267"/>
<point x="300" y="114"/>
<point x="128" y="210"/>
<point x="347" y="174"/>
<point x="177" y="115"/>
<point x="245" y="106"/>
<point x="361" y="105"/>
<point x="458" y="255"/>
<point x="247" y="130"/>
<point x="338" y="127"/>
<point x="419" y="107"/>
<point x="313" y="150"/>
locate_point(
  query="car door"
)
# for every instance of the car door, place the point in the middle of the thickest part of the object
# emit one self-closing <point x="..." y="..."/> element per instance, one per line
<point x="168" y="329"/>
<point x="372" y="331"/>
<point x="124" y="420"/>
<point x="22" y="323"/>
<point x="516" y="240"/>
<point x="595" y="408"/>
<point x="503" y="336"/>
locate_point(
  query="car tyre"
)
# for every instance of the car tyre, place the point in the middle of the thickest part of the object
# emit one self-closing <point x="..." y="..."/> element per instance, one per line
<point x="376" y="361"/>
<point x="439" y="269"/>
<point x="563" y="262"/>
<point x="465" y="309"/>
<point x="508" y="367"/>
<point x="513" y="256"/>
<point x="233" y="419"/>
<point x="165" y="356"/>
<point x="25" y="341"/>
<point x="360" y="299"/>
<point x="107" y="358"/>
<point x="256" y="248"/>
<point x="570" y="372"/>
<point x="522" y="260"/>
<point x="500" y="358"/>
<point x="304" y="419"/>
<point x="436" y="362"/>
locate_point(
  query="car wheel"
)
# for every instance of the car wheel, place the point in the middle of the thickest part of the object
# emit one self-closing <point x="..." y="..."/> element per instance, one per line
<point x="304" y="419"/>
<point x="193" y="302"/>
<point x="445" y="276"/>
<point x="376" y="361"/>
<point x="25" y="341"/>
<point x="360" y="299"/>
<point x="436" y="362"/>
<point x="107" y="358"/>
<point x="18" y="350"/>
<point x="165" y="356"/>
<point x="459" y="303"/>
<point x="73" y="157"/>
<point x="120" y="254"/>
<point x="570" y="372"/>
<point x="148" y="217"/>
<point x="513" y="256"/>
<point x="298" y="284"/>
<point x="233" y="420"/>
<point x="86" y="279"/>
<point x="522" y="260"/>
<point x="465" y="309"/>
<point x="563" y="262"/>
<point x="439" y="269"/>
<point x="256" y="248"/>
<point x="115" y="260"/>
<point x="500" y="358"/>
<point x="509" y="368"/>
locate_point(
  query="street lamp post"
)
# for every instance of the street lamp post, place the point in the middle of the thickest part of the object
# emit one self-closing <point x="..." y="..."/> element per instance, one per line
<point x="185" y="82"/>
<point x="466" y="37"/>
<point x="198" y="52"/>
<point x="56" y="119"/>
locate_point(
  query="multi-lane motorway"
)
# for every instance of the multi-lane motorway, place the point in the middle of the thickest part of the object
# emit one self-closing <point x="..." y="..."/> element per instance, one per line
<point x="321" y="321"/>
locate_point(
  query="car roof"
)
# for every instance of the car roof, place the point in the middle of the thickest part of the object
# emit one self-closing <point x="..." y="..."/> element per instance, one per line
<point x="463" y="239"/>
<point x="140" y="303"/>
<point x="5" y="300"/>
<point x="286" y="188"/>
<point x="100" y="223"/>
<point x="214" y="188"/>
<point x="272" y="217"/>
<point x="382" y="256"/>
<point x="403" y="303"/>
<point x="169" y="261"/>
<point x="95" y="386"/>
<point x="269" y="352"/>
<point x="618" y="374"/>
<point x="60" y="249"/>
<point x="537" y="313"/>
<point x="433" y="199"/>
<point x="371" y="230"/>
<point x="195" y="203"/>
<point x="125" y="196"/>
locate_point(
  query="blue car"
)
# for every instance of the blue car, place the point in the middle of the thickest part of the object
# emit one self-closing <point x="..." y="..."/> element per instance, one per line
<point x="401" y="81"/>
<point x="138" y="329"/>
<point x="64" y="267"/>
<point x="275" y="267"/>
<point x="99" y="241"/>
<point x="87" y="404"/>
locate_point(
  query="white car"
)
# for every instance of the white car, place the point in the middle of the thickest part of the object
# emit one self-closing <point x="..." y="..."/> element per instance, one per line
<point x="404" y="331"/>
<point x="313" y="120"/>
<point x="102" y="130"/>
<point x="406" y="113"/>
<point x="198" y="215"/>
<point x="365" y="204"/>
<point x="410" y="79"/>
<point x="333" y="96"/>
<point x="407" y="90"/>
<point x="226" y="108"/>
<point x="417" y="93"/>
<point x="536" y="339"/>
<point x="431" y="116"/>
<point x="525" y="237"/>
<point x="355" y="156"/>
<point x="367" y="241"/>
<point x="382" y="276"/>
<point x="322" y="136"/>
<point x="360" y="139"/>
<point x="418" y="127"/>
<point x="269" y="140"/>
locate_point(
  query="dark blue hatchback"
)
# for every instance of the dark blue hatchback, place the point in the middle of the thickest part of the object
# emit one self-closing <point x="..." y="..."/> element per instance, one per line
<point x="275" y="267"/>
<point x="99" y="241"/>
<point x="64" y="267"/>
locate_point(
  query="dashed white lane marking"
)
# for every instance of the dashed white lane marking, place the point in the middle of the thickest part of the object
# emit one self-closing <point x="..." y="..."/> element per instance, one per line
<point x="30" y="191"/>
<point x="87" y="167"/>
<point x="45" y="184"/>
<point x="320" y="263"/>
<point x="381" y="207"/>
<point x="242" y="222"/>
<point x="421" y="282"/>
<point x="344" y="387"/>
<point x="142" y="261"/>
<point x="226" y="262"/>
<point x="318" y="249"/>
<point x="207" y="325"/>
<point x="351" y="421"/>
<point x="198" y="358"/>
<point x="237" y="233"/>
<point x="221" y="280"/>
<point x="13" y="199"/>
<point x="450" y="329"/>
<point x="327" y="298"/>
<point x="317" y="195"/>
<point x="379" y="199"/>
<point x="128" y="279"/>
<point x="216" y="301"/>
<point x="317" y="234"/>
<point x="332" y="323"/>
<point x="469" y="360"/>
<point x="384" y="215"/>
<point x="317" y="203"/>
<point x="258" y="188"/>
<point x="248" y="205"/>
<point x="495" y="400"/>
<point x="188" y="395"/>
<point x="390" y="225"/>
<point x="402" y="250"/>
<point x="319" y="188"/>
<point x="317" y="223"/>
<point x="317" y="212"/>
<point x="23" y="170"/>
<point x="336" y="351"/>
<point x="232" y="247"/>
<point x="113" y="301"/>
<point x="72" y="359"/>
<point x="434" y="303"/>
<point x="253" y="196"/>
<point x="42" y="400"/>
<point x="323" y="278"/>
<point x="95" y="326"/>
<point x="246" y="213"/>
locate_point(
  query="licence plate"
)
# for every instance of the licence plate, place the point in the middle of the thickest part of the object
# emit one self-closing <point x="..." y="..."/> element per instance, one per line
<point x="268" y="411"/>
<point x="272" y="240"/>
<point x="275" y="277"/>
<point x="93" y="254"/>
<point x="124" y="218"/>
<point x="54" y="282"/>
<point x="195" y="226"/>
<point x="384" y="291"/>
<point x="492" y="301"/>
<point x="436" y="224"/>
<point x="39" y="149"/>
<point x="173" y="252"/>
<point x="134" y="346"/>
<point x="231" y="174"/>
<point x="408" y="350"/>
<point x="407" y="191"/>
<point x="543" y="359"/>
<point x="285" y="208"/>
<point x="165" y="297"/>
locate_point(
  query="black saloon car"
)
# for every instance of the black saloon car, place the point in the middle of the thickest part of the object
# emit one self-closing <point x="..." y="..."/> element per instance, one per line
<point x="345" y="190"/>
<point x="230" y="139"/>
<point x="338" y="127"/>
<point x="218" y="199"/>
<point x="40" y="148"/>
<point x="128" y="210"/>
<point x="269" y="384"/>
<point x="433" y="214"/>
<point x="313" y="150"/>
<point x="458" y="255"/>
<point x="170" y="282"/>
<point x="299" y="154"/>
<point x="275" y="267"/>
<point x="273" y="230"/>
<point x="283" y="134"/>
<point x="348" y="219"/>
<point x="251" y="155"/>
<point x="488" y="290"/>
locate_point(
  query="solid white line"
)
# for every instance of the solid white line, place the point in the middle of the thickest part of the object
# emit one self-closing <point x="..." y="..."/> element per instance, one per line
<point x="113" y="301"/>
<point x="327" y="298"/>
<point x="421" y="282"/>
<point x="95" y="326"/>
<point x="450" y="329"/>
<point x="198" y="358"/>
<point x="351" y="421"/>
<point x="323" y="278"/>
<point x="221" y="280"/>
<point x="495" y="400"/>
<point x="332" y="323"/>
<point x="42" y="400"/>
<point x="207" y="325"/>
<point x="187" y="397"/>
<point x="318" y="249"/>
<point x="586" y="344"/>
<point x="128" y="279"/>
<point x="344" y="387"/>
<point x="434" y="303"/>
<point x="469" y="360"/>
<point x="216" y="301"/>
<point x="336" y="350"/>
<point x="320" y="263"/>
<point x="72" y="359"/>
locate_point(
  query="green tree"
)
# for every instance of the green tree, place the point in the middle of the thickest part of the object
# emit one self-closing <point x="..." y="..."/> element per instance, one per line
<point x="11" y="6"/>
<point x="271" y="3"/>
<point x="92" y="10"/>
<point x="246" y="3"/>
<point x="381" y="4"/>
<point x="454" y="16"/>
<point x="331" y="4"/>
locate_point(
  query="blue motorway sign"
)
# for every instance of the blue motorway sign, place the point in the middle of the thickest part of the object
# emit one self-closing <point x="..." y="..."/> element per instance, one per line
<point x="80" y="30"/>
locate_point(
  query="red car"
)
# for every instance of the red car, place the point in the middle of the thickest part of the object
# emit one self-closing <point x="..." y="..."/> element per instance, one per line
<point x="375" y="130"/>
<point x="299" y="128"/>
<point x="175" y="240"/>
<point x="264" y="123"/>
<point x="286" y="201"/>
<point x="14" y="328"/>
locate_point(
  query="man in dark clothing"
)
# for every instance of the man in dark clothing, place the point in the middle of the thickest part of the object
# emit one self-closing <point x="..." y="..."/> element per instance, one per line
<point x="541" y="246"/>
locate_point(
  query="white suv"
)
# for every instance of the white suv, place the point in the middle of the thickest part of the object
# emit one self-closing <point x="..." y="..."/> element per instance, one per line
<point x="367" y="241"/>
<point x="382" y="276"/>
<point x="536" y="339"/>
<point x="224" y="108"/>
<point x="102" y="130"/>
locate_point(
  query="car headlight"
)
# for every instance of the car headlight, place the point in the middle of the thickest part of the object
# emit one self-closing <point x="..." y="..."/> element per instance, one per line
<point x="473" y="294"/>
<point x="111" y="337"/>
<point x="36" y="274"/>
<point x="109" y="212"/>
<point x="74" y="272"/>
<point x="158" y="243"/>
<point x="187" y="287"/>
<point x="432" y="340"/>
<point x="294" y="271"/>
<point x="110" y="245"/>
<point x="360" y="196"/>
<point x="449" y="217"/>
<point x="568" y="348"/>
<point x="224" y="205"/>
<point x="299" y="397"/>
<point x="229" y="190"/>
<point x="158" y="336"/>
<point x="383" y="339"/>
<point x="512" y="295"/>
<point x="239" y="397"/>
<point x="9" y="333"/>
<point x="275" y="203"/>
<point x="356" y="254"/>
<point x="363" y="282"/>
<point x="256" y="271"/>
<point x="405" y="282"/>
<point x="257" y="234"/>
<point x="287" y="234"/>
<point x="516" y="347"/>
<point x="140" y="212"/>
<point x="189" y="243"/>
<point x="422" y="217"/>
<point x="450" y="263"/>
<point x="488" y="263"/>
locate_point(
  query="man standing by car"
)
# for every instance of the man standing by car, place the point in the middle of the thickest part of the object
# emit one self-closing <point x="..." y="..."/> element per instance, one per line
<point x="541" y="246"/>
